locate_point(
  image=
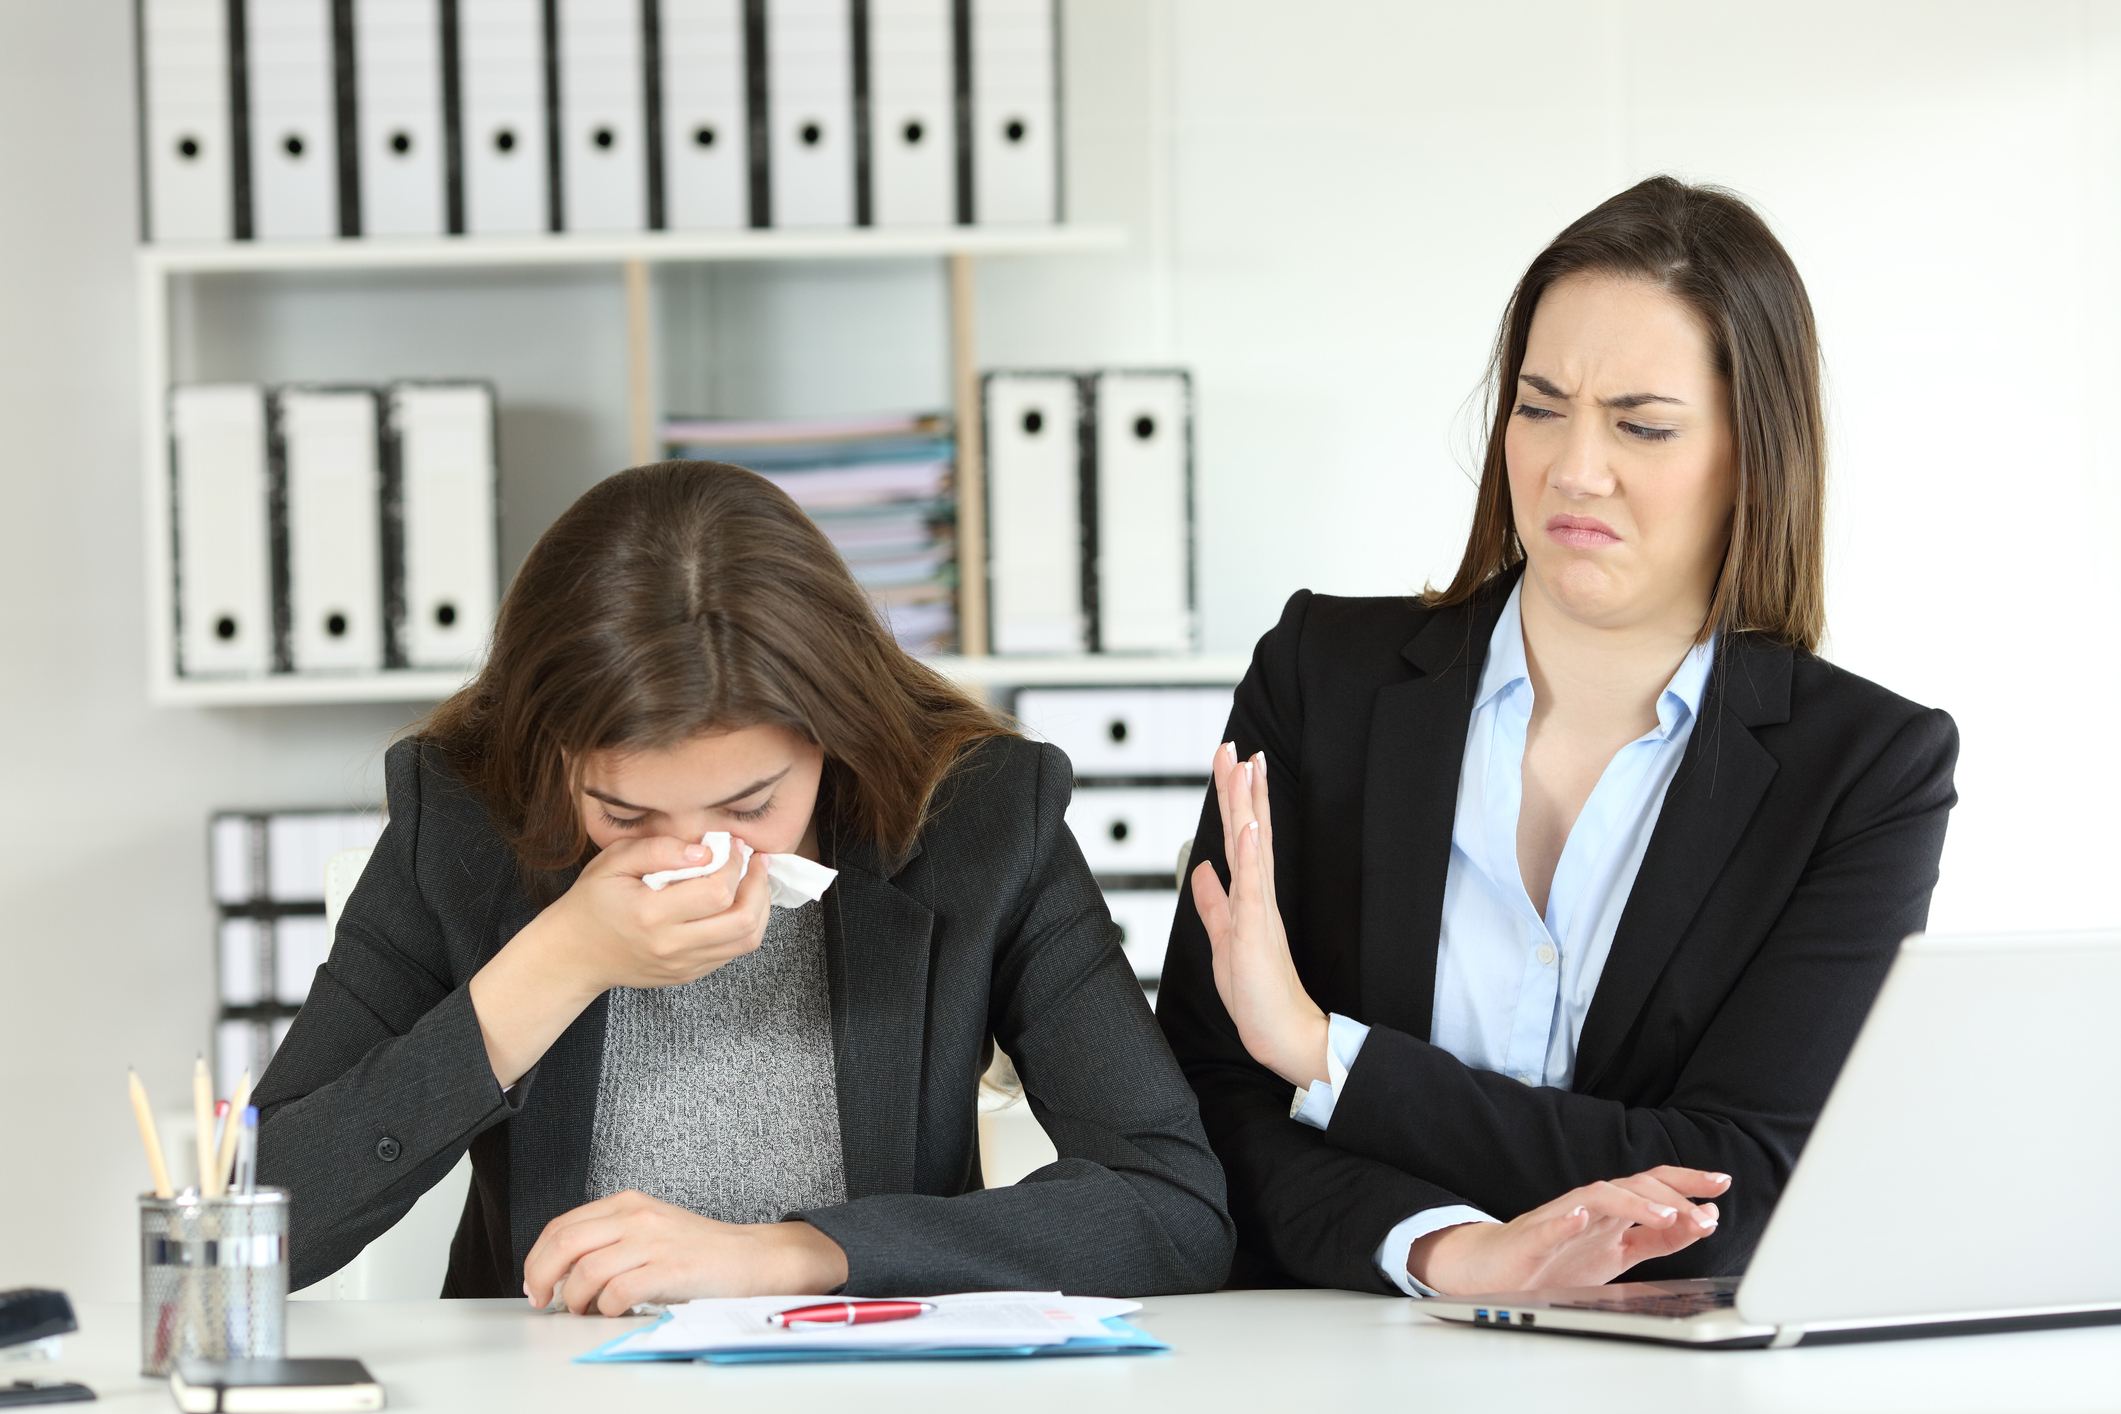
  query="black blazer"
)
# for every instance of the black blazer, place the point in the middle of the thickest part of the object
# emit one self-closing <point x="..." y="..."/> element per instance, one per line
<point x="993" y="928"/>
<point x="1797" y="846"/>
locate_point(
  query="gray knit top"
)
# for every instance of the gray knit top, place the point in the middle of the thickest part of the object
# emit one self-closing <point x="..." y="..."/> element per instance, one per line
<point x="719" y="1095"/>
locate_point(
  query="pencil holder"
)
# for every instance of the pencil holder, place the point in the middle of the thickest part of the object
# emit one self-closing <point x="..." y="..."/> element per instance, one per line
<point x="213" y="1278"/>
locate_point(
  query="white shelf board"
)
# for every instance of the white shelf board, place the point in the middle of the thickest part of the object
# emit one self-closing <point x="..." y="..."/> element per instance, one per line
<point x="856" y="243"/>
<point x="1091" y="670"/>
<point x="293" y="689"/>
<point x="1095" y="670"/>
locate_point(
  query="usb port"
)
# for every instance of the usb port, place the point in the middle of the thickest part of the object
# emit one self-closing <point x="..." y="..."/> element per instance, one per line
<point x="1524" y="1318"/>
<point x="1480" y="1318"/>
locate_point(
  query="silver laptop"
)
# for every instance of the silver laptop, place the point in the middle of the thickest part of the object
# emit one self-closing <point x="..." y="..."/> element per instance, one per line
<point x="1962" y="1177"/>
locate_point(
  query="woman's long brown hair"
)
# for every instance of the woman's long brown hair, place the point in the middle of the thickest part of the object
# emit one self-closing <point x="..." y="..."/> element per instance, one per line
<point x="1708" y="249"/>
<point x="687" y="597"/>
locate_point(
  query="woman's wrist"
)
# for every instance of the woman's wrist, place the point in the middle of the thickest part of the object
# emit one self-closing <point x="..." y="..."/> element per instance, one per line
<point x="527" y="994"/>
<point x="811" y="1262"/>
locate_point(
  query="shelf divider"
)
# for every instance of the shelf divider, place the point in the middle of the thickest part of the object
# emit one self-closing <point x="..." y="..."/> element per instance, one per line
<point x="970" y="441"/>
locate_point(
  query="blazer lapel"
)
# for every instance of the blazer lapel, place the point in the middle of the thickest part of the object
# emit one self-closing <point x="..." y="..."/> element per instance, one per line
<point x="1410" y="799"/>
<point x="1720" y="783"/>
<point x="877" y="941"/>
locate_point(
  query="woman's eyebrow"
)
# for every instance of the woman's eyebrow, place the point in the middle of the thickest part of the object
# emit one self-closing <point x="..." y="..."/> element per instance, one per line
<point x="613" y="800"/>
<point x="1624" y="400"/>
<point x="754" y="788"/>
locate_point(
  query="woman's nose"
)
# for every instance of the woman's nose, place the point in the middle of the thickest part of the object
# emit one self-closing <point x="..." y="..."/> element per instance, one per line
<point x="1581" y="469"/>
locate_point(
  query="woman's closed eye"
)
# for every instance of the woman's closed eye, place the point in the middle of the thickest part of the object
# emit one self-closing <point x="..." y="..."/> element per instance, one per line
<point x="757" y="812"/>
<point x="1532" y="412"/>
<point x="617" y="823"/>
<point x="1649" y="434"/>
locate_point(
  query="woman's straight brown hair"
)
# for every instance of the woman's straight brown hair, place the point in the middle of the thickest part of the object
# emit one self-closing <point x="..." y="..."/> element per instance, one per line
<point x="687" y="597"/>
<point x="1708" y="249"/>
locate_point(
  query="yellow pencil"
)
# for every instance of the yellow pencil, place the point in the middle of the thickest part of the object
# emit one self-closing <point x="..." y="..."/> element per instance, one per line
<point x="227" y="1155"/>
<point x="149" y="1140"/>
<point x="202" y="1105"/>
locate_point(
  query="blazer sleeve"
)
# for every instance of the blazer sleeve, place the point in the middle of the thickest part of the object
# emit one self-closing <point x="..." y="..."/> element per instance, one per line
<point x="1134" y="1204"/>
<point x="1314" y="1208"/>
<point x="1744" y="1100"/>
<point x="383" y="1081"/>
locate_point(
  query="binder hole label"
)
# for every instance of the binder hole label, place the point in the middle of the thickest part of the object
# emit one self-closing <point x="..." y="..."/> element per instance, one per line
<point x="1117" y="731"/>
<point x="401" y="143"/>
<point x="445" y="614"/>
<point x="913" y="132"/>
<point x="293" y="144"/>
<point x="1014" y="130"/>
<point x="703" y="136"/>
<point x="812" y="134"/>
<point x="504" y="140"/>
<point x="1034" y="422"/>
<point x="1119" y="831"/>
<point x="604" y="138"/>
<point x="224" y="628"/>
<point x="335" y="625"/>
<point x="1145" y="427"/>
<point x="187" y="148"/>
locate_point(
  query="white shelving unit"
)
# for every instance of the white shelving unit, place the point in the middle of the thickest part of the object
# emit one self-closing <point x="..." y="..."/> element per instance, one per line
<point x="160" y="268"/>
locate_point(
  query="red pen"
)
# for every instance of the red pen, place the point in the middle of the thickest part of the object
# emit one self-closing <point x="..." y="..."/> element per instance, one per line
<point x="850" y="1313"/>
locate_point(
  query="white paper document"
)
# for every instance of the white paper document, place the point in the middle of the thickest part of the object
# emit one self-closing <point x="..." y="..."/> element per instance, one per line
<point x="968" y="1321"/>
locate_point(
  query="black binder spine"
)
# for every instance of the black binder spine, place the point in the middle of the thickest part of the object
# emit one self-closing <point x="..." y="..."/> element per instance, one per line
<point x="961" y="90"/>
<point x="1086" y="487"/>
<point x="176" y="538"/>
<point x="652" y="102"/>
<point x="347" y="102"/>
<point x="555" y="206"/>
<point x="140" y="96"/>
<point x="239" y="223"/>
<point x="283" y="652"/>
<point x="452" y="117"/>
<point x="758" y="135"/>
<point x="864" y="191"/>
<point x="390" y="465"/>
<point x="1060" y="172"/>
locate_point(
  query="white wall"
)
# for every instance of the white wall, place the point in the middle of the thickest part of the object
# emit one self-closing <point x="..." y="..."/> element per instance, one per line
<point x="1330" y="202"/>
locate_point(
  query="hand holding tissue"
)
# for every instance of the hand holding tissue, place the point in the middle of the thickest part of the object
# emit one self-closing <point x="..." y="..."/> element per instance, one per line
<point x="791" y="880"/>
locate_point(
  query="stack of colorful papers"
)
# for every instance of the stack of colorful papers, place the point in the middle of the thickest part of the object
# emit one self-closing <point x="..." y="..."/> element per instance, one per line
<point x="880" y="487"/>
<point x="970" y="1325"/>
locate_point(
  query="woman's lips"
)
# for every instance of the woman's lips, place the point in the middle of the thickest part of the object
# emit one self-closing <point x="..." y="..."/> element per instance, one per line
<point x="1581" y="532"/>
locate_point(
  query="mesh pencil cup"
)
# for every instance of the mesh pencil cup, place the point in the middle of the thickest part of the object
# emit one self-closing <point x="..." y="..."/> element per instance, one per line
<point x="213" y="1278"/>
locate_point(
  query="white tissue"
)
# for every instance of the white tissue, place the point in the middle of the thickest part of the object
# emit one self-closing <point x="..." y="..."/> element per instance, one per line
<point x="791" y="880"/>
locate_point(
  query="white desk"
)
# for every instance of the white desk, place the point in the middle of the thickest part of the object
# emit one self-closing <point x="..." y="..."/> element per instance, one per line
<point x="1294" y="1352"/>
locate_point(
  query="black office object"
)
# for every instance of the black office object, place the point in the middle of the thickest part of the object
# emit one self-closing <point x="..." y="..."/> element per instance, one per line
<point x="32" y="1313"/>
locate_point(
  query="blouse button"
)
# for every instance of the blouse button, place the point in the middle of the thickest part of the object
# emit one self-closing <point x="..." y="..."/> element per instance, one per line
<point x="1545" y="954"/>
<point x="388" y="1149"/>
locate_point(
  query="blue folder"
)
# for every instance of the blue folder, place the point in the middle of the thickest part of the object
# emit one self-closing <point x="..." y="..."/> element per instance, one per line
<point x="1122" y="1339"/>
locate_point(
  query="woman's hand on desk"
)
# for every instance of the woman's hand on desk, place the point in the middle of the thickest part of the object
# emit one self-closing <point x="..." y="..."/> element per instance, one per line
<point x="1280" y="1025"/>
<point x="1585" y="1237"/>
<point x="620" y="1251"/>
<point x="609" y="930"/>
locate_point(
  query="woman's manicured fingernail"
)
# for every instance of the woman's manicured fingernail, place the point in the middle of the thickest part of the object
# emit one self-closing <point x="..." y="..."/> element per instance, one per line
<point x="1705" y="1216"/>
<point x="1262" y="760"/>
<point x="1663" y="1212"/>
<point x="695" y="853"/>
<point x="1253" y="826"/>
<point x="1579" y="1212"/>
<point x="1719" y="1178"/>
<point x="1230" y="750"/>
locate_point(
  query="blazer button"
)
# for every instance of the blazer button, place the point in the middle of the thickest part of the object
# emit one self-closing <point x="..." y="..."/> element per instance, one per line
<point x="388" y="1149"/>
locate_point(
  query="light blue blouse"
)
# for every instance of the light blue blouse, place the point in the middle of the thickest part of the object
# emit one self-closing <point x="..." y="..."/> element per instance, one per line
<point x="1512" y="988"/>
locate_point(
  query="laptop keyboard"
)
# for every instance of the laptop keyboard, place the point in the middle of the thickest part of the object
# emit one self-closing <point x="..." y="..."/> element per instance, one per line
<point x="1663" y="1303"/>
